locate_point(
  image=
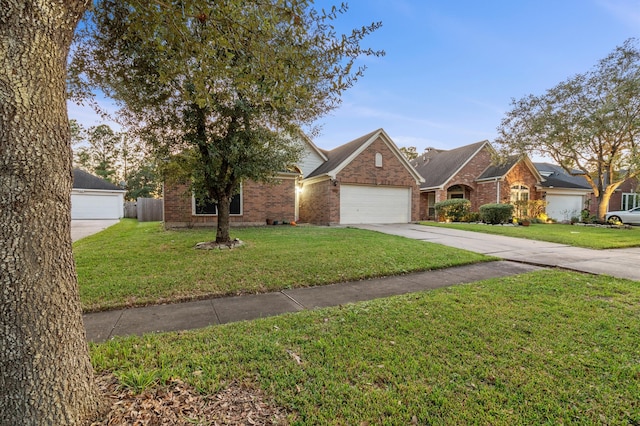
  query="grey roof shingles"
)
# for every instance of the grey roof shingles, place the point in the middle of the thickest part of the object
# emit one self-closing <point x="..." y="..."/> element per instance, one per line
<point x="441" y="166"/>
<point x="559" y="178"/>
<point x="84" y="180"/>
<point x="337" y="156"/>
<point x="499" y="170"/>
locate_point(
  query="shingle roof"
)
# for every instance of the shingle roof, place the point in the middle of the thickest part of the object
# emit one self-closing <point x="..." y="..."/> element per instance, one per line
<point x="499" y="170"/>
<point x="336" y="156"/>
<point x="437" y="166"/>
<point x="556" y="177"/>
<point x="84" y="180"/>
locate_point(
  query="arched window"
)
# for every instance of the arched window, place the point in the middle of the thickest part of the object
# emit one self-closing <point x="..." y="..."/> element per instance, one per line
<point x="456" y="191"/>
<point x="519" y="193"/>
<point x="378" y="159"/>
<point x="519" y="199"/>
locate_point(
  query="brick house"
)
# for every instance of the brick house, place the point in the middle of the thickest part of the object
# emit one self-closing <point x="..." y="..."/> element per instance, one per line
<point x="625" y="197"/>
<point x="367" y="180"/>
<point x="469" y="172"/>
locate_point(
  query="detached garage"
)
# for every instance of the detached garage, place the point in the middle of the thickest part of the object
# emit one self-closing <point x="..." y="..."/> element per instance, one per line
<point x="95" y="198"/>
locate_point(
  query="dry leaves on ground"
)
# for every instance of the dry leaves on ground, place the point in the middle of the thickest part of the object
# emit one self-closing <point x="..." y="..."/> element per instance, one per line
<point x="180" y="404"/>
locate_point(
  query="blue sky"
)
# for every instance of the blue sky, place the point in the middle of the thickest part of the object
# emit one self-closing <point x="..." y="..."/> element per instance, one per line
<point x="452" y="66"/>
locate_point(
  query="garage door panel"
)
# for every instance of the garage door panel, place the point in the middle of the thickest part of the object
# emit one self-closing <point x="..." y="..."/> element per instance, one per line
<point x="91" y="206"/>
<point x="374" y="204"/>
<point x="563" y="207"/>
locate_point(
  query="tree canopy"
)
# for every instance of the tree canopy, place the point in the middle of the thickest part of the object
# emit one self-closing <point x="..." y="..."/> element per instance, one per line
<point x="589" y="124"/>
<point x="223" y="87"/>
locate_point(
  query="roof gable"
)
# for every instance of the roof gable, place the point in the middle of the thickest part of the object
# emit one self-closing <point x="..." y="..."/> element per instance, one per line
<point x="499" y="171"/>
<point x="340" y="157"/>
<point x="85" y="180"/>
<point x="437" y="167"/>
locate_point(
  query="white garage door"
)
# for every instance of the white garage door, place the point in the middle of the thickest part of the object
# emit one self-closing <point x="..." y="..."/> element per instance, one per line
<point x="94" y="206"/>
<point x="564" y="207"/>
<point x="374" y="204"/>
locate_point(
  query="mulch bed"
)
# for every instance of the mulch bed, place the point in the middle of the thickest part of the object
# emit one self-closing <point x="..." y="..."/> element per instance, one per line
<point x="180" y="404"/>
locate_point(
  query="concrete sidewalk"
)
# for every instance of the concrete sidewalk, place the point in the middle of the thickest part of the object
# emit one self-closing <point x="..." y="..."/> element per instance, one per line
<point x="620" y="263"/>
<point x="102" y="326"/>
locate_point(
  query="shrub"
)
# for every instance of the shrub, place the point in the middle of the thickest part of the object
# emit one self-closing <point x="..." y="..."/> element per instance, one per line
<point x="454" y="210"/>
<point x="496" y="213"/>
<point x="472" y="217"/>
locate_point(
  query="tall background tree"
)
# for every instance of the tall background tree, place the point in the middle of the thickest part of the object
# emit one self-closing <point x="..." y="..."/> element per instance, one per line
<point x="223" y="88"/>
<point x="101" y="152"/>
<point x="116" y="157"/>
<point x="45" y="372"/>
<point x="589" y="124"/>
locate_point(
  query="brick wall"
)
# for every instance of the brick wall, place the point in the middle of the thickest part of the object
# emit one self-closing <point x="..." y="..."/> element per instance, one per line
<point x="259" y="202"/>
<point x="520" y="174"/>
<point x="362" y="170"/>
<point x="615" y="202"/>
<point x="480" y="193"/>
<point x="317" y="203"/>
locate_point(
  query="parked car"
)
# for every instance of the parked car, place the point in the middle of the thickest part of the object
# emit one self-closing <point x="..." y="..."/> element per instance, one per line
<point x="625" y="216"/>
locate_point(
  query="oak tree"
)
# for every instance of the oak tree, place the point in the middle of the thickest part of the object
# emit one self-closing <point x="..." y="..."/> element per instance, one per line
<point x="589" y="124"/>
<point x="45" y="371"/>
<point x="221" y="89"/>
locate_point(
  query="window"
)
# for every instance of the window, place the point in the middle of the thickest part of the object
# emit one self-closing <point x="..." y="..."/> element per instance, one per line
<point x="455" y="192"/>
<point x="378" y="159"/>
<point x="520" y="198"/>
<point x="630" y="200"/>
<point x="211" y="209"/>
<point x="519" y="193"/>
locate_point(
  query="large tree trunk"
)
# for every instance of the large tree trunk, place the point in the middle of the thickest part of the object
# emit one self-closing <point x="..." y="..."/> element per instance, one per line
<point x="46" y="376"/>
<point x="224" y="210"/>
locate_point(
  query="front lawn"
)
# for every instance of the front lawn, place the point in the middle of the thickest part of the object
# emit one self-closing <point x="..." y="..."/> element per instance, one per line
<point x="572" y="235"/>
<point x="135" y="263"/>
<point x="549" y="347"/>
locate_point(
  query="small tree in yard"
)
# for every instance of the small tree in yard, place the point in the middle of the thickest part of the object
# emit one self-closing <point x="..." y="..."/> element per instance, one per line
<point x="589" y="124"/>
<point x="222" y="87"/>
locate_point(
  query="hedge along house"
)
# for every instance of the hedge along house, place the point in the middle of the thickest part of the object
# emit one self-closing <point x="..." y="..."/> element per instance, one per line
<point x="469" y="172"/>
<point x="367" y="180"/>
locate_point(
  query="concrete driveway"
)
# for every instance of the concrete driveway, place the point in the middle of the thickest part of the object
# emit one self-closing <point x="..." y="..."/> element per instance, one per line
<point x="84" y="228"/>
<point x="620" y="263"/>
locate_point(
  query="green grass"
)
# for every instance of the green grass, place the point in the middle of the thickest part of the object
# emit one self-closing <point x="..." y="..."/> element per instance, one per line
<point x="579" y="236"/>
<point x="135" y="263"/>
<point x="548" y="347"/>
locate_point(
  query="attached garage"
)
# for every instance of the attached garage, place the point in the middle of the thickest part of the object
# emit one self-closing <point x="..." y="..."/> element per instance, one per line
<point x="374" y="204"/>
<point x="95" y="198"/>
<point x="564" y="206"/>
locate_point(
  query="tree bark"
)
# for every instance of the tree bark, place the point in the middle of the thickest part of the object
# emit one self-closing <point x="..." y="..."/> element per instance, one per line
<point x="46" y="376"/>
<point x="224" y="210"/>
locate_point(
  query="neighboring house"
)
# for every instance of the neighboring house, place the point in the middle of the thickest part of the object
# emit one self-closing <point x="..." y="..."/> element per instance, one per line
<point x="625" y="197"/>
<point x="566" y="195"/>
<point x="366" y="180"/>
<point x="95" y="198"/>
<point x="469" y="172"/>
